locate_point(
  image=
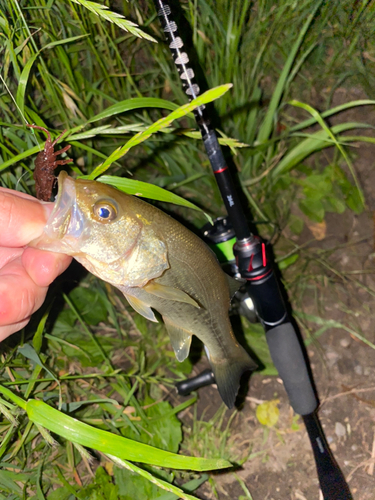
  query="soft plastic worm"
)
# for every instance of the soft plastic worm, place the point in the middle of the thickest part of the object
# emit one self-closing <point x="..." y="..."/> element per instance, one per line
<point x="45" y="165"/>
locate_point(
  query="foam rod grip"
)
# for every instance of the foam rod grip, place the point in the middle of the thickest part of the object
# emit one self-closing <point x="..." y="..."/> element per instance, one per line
<point x="287" y="356"/>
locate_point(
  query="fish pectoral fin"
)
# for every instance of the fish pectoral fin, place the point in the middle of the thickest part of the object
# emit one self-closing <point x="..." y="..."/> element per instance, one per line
<point x="234" y="285"/>
<point x="170" y="293"/>
<point x="180" y="339"/>
<point x="141" y="308"/>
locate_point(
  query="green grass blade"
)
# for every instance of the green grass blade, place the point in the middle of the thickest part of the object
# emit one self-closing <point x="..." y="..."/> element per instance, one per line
<point x="331" y="323"/>
<point x="188" y="487"/>
<point x="29" y="352"/>
<point x="357" y="138"/>
<point x="146" y="190"/>
<point x="315" y="142"/>
<point x="22" y="84"/>
<point x="24" y="78"/>
<point x="161" y="124"/>
<point x="64" y="41"/>
<point x="125" y="449"/>
<point x="155" y="480"/>
<point x="331" y="112"/>
<point x="329" y="132"/>
<point x="267" y="125"/>
<point x="73" y="430"/>
<point x="136" y="103"/>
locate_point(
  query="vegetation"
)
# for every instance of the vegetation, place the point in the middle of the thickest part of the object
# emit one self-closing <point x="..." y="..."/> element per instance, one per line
<point x="111" y="84"/>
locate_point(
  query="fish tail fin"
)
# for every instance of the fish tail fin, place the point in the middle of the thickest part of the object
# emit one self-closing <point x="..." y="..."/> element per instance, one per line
<point x="228" y="373"/>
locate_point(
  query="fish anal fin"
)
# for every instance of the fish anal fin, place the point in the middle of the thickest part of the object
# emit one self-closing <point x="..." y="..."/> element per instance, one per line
<point x="228" y="373"/>
<point x="141" y="308"/>
<point x="180" y="339"/>
<point x="234" y="285"/>
<point x="169" y="293"/>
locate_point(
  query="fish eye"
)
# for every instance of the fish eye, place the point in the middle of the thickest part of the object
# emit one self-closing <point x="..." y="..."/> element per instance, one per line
<point x="104" y="211"/>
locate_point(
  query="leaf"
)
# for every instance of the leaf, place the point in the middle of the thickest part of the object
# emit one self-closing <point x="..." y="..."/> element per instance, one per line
<point x="332" y="203"/>
<point x="315" y="142"/>
<point x="190" y="486"/>
<point x="19" y="157"/>
<point x="329" y="132"/>
<point x="268" y="413"/>
<point x="254" y="335"/>
<point x="287" y="262"/>
<point x="60" y="494"/>
<point x="101" y="488"/>
<point x="30" y="353"/>
<point x="331" y="323"/>
<point x="330" y="112"/>
<point x="64" y="41"/>
<point x="318" y="229"/>
<point x="295" y="224"/>
<point x="313" y="209"/>
<point x="73" y="406"/>
<point x="24" y="78"/>
<point x="354" y="201"/>
<point x="161" y="124"/>
<point x="89" y="304"/>
<point x="146" y="190"/>
<point x="319" y="183"/>
<point x="124" y="449"/>
<point x="133" y="486"/>
<point x="136" y="103"/>
<point x="266" y="127"/>
<point x="38" y="335"/>
<point x="22" y="84"/>
<point x="155" y="480"/>
<point x="161" y="429"/>
<point x="8" y="482"/>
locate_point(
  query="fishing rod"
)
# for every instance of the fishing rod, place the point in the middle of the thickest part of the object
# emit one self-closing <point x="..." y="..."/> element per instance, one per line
<point x="255" y="266"/>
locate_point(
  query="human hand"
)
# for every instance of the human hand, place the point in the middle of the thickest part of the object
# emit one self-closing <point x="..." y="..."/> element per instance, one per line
<point x="25" y="273"/>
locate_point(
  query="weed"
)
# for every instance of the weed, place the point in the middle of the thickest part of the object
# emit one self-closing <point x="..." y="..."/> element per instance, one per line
<point x="70" y="65"/>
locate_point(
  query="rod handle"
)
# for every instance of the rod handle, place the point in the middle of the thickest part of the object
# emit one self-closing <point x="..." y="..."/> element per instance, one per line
<point x="287" y="356"/>
<point x="189" y="385"/>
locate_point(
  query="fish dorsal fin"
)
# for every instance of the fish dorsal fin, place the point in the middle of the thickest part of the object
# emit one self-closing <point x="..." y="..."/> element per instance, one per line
<point x="141" y="308"/>
<point x="180" y="339"/>
<point x="169" y="293"/>
<point x="234" y="285"/>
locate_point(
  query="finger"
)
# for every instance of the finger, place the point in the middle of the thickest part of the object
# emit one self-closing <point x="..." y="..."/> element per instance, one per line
<point x="44" y="267"/>
<point x="20" y="194"/>
<point x="20" y="296"/>
<point x="6" y="331"/>
<point x="22" y="218"/>
<point x="8" y="254"/>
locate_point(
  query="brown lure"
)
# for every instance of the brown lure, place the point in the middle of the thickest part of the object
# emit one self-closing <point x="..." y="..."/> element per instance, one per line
<point x="45" y="164"/>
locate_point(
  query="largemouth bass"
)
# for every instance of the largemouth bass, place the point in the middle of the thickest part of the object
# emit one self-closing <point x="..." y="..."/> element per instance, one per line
<point x="156" y="263"/>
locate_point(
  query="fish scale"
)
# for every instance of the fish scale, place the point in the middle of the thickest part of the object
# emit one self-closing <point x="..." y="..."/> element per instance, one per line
<point x="157" y="263"/>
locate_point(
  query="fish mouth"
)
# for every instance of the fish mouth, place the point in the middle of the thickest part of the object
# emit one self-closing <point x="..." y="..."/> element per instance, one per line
<point x="65" y="224"/>
<point x="60" y="218"/>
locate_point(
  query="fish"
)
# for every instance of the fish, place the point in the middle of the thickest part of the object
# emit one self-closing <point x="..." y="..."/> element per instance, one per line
<point x="157" y="263"/>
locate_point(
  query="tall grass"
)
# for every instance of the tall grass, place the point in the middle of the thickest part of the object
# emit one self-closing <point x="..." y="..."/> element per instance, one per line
<point x="72" y="65"/>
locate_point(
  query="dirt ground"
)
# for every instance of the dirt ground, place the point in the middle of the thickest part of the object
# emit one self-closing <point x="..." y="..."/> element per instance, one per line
<point x="281" y="464"/>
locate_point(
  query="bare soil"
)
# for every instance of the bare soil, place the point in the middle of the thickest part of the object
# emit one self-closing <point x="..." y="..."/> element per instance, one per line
<point x="281" y="464"/>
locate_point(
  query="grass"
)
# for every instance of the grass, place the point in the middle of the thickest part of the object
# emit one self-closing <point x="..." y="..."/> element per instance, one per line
<point x="81" y="67"/>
